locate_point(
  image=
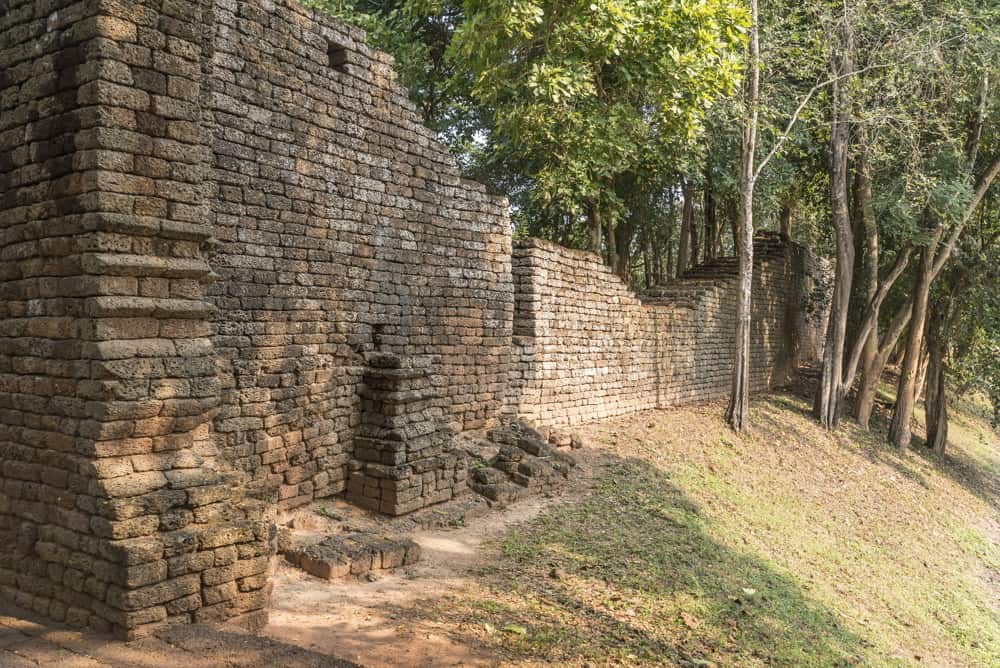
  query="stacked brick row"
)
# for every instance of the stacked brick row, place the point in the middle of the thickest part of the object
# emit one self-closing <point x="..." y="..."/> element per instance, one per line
<point x="49" y="486"/>
<point x="587" y="347"/>
<point x="343" y="227"/>
<point x="403" y="458"/>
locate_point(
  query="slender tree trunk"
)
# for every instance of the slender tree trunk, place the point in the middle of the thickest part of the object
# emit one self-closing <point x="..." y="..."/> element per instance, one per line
<point x="657" y="262"/>
<point x="896" y="359"/>
<point x="869" y="348"/>
<point x="613" y="259"/>
<point x="931" y="263"/>
<point x="936" y="404"/>
<point x="899" y="429"/>
<point x="873" y="374"/>
<point x="733" y="207"/>
<point x="669" y="241"/>
<point x="925" y="359"/>
<point x="687" y="213"/>
<point x="596" y="231"/>
<point x="695" y="252"/>
<point x="830" y="398"/>
<point x="623" y="234"/>
<point x="738" y="413"/>
<point x="645" y="259"/>
<point x="864" y="403"/>
<point x="785" y="218"/>
<point x="711" y="223"/>
<point x="938" y="350"/>
<point x="889" y="342"/>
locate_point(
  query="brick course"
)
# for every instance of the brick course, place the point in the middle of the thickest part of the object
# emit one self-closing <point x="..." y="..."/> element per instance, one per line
<point x="343" y="227"/>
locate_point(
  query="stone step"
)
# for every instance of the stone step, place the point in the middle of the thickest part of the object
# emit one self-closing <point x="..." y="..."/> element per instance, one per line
<point x="354" y="554"/>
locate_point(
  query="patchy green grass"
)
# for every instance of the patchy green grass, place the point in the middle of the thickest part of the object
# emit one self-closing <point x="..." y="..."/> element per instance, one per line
<point x="789" y="547"/>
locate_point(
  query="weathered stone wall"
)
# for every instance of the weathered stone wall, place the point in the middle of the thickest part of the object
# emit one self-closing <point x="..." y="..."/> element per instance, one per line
<point x="587" y="347"/>
<point x="343" y="227"/>
<point x="212" y="211"/>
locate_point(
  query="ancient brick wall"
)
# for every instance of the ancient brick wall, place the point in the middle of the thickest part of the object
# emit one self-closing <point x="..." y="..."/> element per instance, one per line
<point x="587" y="347"/>
<point x="212" y="212"/>
<point x="343" y="226"/>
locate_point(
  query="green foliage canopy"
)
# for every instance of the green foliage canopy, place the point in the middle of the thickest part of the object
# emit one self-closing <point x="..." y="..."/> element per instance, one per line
<point x="586" y="92"/>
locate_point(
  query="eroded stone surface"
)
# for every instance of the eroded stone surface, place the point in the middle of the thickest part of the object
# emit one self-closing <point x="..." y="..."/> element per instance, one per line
<point x="524" y="461"/>
<point x="356" y="554"/>
<point x="586" y="347"/>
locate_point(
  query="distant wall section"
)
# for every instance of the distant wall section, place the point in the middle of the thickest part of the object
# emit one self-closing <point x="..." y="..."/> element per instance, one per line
<point x="587" y="347"/>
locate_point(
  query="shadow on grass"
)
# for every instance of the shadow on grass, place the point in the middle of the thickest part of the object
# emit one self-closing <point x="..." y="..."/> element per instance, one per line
<point x="954" y="464"/>
<point x="872" y="446"/>
<point x="631" y="572"/>
<point x="963" y="470"/>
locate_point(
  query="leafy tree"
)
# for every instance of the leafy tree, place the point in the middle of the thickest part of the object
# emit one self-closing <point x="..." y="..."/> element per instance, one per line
<point x="594" y="96"/>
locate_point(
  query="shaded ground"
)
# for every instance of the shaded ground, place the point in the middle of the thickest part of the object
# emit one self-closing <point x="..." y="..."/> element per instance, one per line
<point x="680" y="544"/>
<point x="28" y="642"/>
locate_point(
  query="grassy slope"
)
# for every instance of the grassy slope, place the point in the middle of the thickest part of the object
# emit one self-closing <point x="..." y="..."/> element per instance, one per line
<point x="792" y="547"/>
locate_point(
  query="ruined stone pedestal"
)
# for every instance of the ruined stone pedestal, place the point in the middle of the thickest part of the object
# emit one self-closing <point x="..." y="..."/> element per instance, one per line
<point x="403" y="460"/>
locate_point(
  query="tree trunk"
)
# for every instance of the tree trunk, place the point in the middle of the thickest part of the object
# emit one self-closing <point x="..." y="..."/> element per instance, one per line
<point x="937" y="400"/>
<point x="864" y="403"/>
<point x="711" y="223"/>
<point x="938" y="350"/>
<point x="899" y="429"/>
<point x="596" y="231"/>
<point x="657" y="263"/>
<point x="623" y="233"/>
<point x="866" y="395"/>
<point x="695" y="252"/>
<point x="733" y="206"/>
<point x="830" y="398"/>
<point x="869" y="349"/>
<point x="738" y="413"/>
<point x="785" y="218"/>
<point x="645" y="259"/>
<point x="613" y="259"/>
<point x="896" y="358"/>
<point x="669" y="241"/>
<point x="684" y="247"/>
<point x="925" y="359"/>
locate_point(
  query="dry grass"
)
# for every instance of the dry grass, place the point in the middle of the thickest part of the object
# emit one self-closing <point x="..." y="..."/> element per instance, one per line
<point x="789" y="547"/>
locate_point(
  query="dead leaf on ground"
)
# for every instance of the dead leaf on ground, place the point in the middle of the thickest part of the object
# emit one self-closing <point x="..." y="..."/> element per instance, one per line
<point x="690" y="621"/>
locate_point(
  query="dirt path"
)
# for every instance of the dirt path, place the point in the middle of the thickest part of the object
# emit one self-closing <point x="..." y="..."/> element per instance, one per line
<point x="30" y="641"/>
<point x="368" y="622"/>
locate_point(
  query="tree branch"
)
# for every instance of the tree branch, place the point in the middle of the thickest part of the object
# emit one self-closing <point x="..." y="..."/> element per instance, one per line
<point x="871" y="312"/>
<point x="802" y="105"/>
<point x="985" y="181"/>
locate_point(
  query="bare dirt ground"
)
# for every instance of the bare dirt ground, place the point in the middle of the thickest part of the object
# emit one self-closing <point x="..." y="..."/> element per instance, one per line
<point x="27" y="641"/>
<point x="370" y="622"/>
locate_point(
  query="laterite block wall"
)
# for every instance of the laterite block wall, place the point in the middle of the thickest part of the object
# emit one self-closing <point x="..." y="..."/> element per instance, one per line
<point x="343" y="227"/>
<point x="113" y="511"/>
<point x="587" y="347"/>
<point x="212" y="211"/>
